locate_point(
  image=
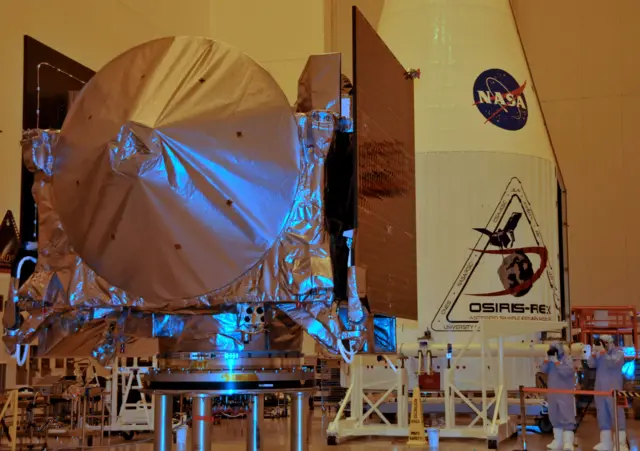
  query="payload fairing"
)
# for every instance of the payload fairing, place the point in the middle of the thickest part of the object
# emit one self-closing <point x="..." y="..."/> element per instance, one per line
<point x="488" y="224"/>
<point x="487" y="179"/>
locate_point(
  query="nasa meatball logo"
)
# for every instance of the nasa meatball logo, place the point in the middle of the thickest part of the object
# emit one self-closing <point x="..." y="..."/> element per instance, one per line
<point x="500" y="99"/>
<point x="507" y="274"/>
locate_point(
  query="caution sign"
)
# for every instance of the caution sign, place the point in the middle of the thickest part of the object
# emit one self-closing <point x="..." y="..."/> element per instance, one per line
<point x="9" y="242"/>
<point x="416" y="422"/>
<point x="508" y="274"/>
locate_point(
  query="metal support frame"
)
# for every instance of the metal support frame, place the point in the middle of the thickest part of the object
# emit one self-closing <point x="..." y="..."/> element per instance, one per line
<point x="491" y="410"/>
<point x="163" y="427"/>
<point x="201" y="420"/>
<point x="125" y="416"/>
<point x="620" y="321"/>
<point x="255" y="434"/>
<point x="299" y="434"/>
<point x="355" y="426"/>
<point x="12" y="404"/>
<point x="491" y="378"/>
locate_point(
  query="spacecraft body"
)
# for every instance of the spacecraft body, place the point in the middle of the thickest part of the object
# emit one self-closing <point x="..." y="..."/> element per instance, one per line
<point x="487" y="180"/>
<point x="187" y="210"/>
<point x="157" y="221"/>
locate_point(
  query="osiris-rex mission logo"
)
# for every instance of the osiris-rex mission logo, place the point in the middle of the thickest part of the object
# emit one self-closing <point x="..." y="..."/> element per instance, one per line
<point x="500" y="99"/>
<point x="507" y="275"/>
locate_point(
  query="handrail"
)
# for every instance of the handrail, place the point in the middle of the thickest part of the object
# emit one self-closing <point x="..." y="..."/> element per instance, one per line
<point x="568" y="392"/>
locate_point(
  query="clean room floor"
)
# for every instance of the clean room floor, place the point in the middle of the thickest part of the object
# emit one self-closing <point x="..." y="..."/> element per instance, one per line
<point x="230" y="436"/>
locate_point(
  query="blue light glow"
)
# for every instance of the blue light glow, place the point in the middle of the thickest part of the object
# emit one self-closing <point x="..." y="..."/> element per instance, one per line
<point x="629" y="370"/>
<point x="231" y="355"/>
<point x="629" y="351"/>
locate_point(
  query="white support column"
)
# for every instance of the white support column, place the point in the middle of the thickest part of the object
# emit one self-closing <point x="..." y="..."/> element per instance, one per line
<point x="483" y="372"/>
<point x="115" y="387"/>
<point x="357" y="377"/>
<point x="449" y="401"/>
<point x="403" y="396"/>
<point x="503" y="408"/>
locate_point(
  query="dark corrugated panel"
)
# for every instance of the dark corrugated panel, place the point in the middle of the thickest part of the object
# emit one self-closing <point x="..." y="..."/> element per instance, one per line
<point x="385" y="242"/>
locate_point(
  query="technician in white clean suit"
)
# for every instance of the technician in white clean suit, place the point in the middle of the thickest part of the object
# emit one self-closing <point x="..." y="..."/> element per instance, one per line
<point x="608" y="360"/>
<point x="561" y="376"/>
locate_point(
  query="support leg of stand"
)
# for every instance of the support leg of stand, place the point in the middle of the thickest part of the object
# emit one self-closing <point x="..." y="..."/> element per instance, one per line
<point x="162" y="426"/>
<point x="299" y="431"/>
<point x="201" y="433"/>
<point x="255" y="435"/>
<point x="616" y="437"/>
<point x="523" y="419"/>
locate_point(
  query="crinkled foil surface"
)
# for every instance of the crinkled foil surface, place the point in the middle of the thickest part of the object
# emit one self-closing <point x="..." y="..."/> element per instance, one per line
<point x="67" y="305"/>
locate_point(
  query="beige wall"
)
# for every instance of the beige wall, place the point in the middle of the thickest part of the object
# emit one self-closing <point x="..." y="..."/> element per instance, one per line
<point x="280" y="34"/>
<point x="339" y="32"/>
<point x="585" y="59"/>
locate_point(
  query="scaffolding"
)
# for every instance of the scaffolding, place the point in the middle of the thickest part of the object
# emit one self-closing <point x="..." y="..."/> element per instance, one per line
<point x="618" y="321"/>
<point x="491" y="420"/>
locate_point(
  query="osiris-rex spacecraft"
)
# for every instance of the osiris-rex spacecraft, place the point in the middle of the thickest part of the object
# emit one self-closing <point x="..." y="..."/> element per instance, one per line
<point x="185" y="207"/>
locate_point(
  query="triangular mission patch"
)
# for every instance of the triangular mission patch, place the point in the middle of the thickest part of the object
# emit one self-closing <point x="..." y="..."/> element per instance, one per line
<point x="507" y="275"/>
<point x="9" y="242"/>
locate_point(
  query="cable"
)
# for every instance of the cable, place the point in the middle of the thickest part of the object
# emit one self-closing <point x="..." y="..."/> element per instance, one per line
<point x="19" y="269"/>
<point x="347" y="356"/>
<point x="23" y="360"/>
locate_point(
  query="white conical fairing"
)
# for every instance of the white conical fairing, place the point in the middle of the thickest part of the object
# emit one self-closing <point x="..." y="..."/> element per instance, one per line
<point x="486" y="182"/>
<point x="453" y="42"/>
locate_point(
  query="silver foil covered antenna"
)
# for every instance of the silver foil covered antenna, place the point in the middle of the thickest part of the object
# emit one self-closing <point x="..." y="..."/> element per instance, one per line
<point x="178" y="166"/>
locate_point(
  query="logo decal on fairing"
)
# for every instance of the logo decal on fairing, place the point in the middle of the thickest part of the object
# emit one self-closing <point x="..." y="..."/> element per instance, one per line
<point x="500" y="99"/>
<point x="506" y="255"/>
<point x="9" y="242"/>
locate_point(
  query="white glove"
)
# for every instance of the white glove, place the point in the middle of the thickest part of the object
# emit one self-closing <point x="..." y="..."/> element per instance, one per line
<point x="553" y="359"/>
